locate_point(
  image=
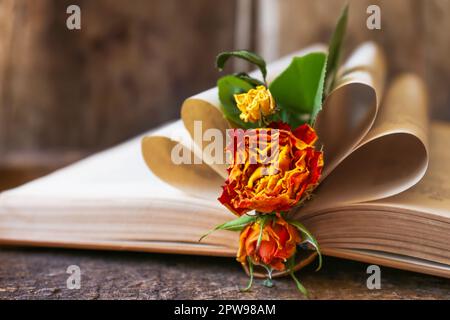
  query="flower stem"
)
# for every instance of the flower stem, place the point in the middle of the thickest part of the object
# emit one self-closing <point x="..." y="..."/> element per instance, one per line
<point x="250" y="270"/>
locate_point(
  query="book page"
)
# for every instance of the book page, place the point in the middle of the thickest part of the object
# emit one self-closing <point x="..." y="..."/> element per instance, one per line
<point x="354" y="101"/>
<point x="115" y="174"/>
<point x="391" y="158"/>
<point x="111" y="200"/>
<point x="432" y="193"/>
<point x="201" y="177"/>
<point x="205" y="107"/>
<point x="351" y="108"/>
<point x="193" y="176"/>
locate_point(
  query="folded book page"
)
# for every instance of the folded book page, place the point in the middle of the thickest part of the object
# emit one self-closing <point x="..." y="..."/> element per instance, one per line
<point x="354" y="102"/>
<point x="432" y="194"/>
<point x="405" y="164"/>
<point x="392" y="156"/>
<point x="351" y="108"/>
<point x="111" y="200"/>
<point x="365" y="142"/>
<point x="373" y="150"/>
<point x="204" y="108"/>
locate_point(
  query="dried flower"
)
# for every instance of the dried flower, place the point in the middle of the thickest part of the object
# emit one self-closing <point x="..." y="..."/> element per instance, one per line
<point x="271" y="186"/>
<point x="255" y="104"/>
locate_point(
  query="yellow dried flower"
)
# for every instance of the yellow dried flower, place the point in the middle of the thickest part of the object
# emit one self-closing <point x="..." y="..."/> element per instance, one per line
<point x="255" y="104"/>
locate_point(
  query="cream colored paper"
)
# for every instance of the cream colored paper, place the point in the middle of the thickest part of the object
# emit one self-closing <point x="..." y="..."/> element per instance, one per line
<point x="205" y="107"/>
<point x="112" y="201"/>
<point x="391" y="158"/>
<point x="372" y="150"/>
<point x="351" y="108"/>
<point x="361" y="78"/>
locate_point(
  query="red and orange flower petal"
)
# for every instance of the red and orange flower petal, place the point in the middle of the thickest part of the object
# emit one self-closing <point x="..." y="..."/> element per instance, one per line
<point x="279" y="242"/>
<point x="277" y="185"/>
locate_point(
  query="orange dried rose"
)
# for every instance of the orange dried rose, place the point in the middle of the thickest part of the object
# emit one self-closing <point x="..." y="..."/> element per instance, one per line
<point x="254" y="183"/>
<point x="278" y="243"/>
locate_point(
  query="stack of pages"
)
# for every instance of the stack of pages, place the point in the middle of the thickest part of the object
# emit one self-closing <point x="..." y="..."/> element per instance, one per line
<point x="384" y="198"/>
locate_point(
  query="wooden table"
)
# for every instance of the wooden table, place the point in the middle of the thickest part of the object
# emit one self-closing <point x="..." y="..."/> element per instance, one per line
<point x="35" y="273"/>
<point x="39" y="273"/>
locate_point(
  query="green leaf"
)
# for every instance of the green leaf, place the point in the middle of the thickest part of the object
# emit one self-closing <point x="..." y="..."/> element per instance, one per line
<point x="244" y="76"/>
<point x="294" y="119"/>
<point x="251" y="57"/>
<point x="228" y="87"/>
<point x="233" y="225"/>
<point x="250" y="270"/>
<point x="334" y="50"/>
<point x="310" y="239"/>
<point x="300" y="287"/>
<point x="262" y="222"/>
<point x="299" y="88"/>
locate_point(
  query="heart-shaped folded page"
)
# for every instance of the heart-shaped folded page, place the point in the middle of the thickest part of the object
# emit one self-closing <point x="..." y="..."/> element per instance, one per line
<point x="357" y="133"/>
<point x="351" y="108"/>
<point x="203" y="109"/>
<point x="174" y="159"/>
<point x="392" y="156"/>
<point x="348" y="115"/>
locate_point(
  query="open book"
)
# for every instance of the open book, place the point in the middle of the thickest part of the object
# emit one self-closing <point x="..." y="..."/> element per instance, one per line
<point x="384" y="198"/>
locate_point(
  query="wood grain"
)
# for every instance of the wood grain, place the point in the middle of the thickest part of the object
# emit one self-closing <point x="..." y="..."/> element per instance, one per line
<point x="131" y="65"/>
<point x="41" y="274"/>
<point x="437" y="55"/>
<point x="128" y="69"/>
<point x="17" y="168"/>
<point x="413" y="34"/>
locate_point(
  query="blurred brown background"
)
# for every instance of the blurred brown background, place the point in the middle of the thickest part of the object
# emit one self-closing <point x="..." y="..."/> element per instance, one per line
<point x="65" y="94"/>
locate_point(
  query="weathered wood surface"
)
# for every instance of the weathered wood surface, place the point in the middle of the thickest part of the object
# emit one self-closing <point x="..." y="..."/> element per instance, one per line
<point x="17" y="168"/>
<point x="127" y="70"/>
<point x="133" y="62"/>
<point x="41" y="274"/>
